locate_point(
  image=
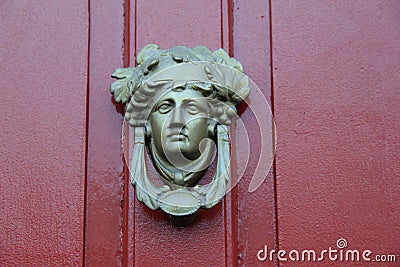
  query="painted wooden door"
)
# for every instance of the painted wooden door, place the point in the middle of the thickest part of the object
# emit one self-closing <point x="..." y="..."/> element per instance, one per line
<point x="330" y="71"/>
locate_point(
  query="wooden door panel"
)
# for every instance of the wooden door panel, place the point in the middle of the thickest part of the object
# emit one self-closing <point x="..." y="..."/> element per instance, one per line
<point x="330" y="72"/>
<point x="336" y="91"/>
<point x="256" y="210"/>
<point x="105" y="167"/>
<point x="43" y="130"/>
<point x="155" y="240"/>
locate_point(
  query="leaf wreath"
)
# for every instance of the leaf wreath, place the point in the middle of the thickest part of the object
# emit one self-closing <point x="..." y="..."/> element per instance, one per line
<point x="128" y="80"/>
<point x="232" y="86"/>
<point x="223" y="58"/>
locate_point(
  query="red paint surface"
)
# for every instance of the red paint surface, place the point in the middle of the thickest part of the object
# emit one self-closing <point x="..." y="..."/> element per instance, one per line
<point x="336" y="84"/>
<point x="335" y="95"/>
<point x="105" y="179"/>
<point x="43" y="131"/>
<point x="256" y="210"/>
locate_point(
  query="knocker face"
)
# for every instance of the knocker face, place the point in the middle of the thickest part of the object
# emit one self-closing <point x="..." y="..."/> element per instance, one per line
<point x="178" y="123"/>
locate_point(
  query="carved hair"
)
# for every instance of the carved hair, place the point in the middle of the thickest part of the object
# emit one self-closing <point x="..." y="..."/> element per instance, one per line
<point x="217" y="76"/>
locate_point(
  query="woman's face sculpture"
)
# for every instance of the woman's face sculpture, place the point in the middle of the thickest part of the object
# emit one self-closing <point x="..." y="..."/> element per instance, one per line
<point x="179" y="123"/>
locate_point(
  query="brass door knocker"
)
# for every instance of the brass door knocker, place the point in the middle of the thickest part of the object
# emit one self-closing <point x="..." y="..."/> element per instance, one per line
<point x="179" y="103"/>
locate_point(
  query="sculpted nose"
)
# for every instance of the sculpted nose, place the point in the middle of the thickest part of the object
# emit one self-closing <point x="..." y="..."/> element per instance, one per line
<point x="177" y="119"/>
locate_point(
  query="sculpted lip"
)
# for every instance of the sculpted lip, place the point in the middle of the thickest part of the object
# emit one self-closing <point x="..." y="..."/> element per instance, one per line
<point x="176" y="137"/>
<point x="181" y="135"/>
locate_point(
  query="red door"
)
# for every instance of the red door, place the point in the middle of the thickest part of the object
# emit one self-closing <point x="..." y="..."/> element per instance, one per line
<point x="330" y="72"/>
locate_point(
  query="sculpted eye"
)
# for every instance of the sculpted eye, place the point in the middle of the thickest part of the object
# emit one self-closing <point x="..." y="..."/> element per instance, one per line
<point x="193" y="109"/>
<point x="164" y="108"/>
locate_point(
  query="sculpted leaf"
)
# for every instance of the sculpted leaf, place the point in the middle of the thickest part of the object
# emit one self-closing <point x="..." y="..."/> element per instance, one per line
<point x="128" y="80"/>
<point x="230" y="84"/>
<point x="225" y="59"/>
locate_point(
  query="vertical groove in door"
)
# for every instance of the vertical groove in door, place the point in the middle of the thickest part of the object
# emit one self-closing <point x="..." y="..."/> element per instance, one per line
<point x="133" y="198"/>
<point x="230" y="200"/>
<point x="129" y="204"/>
<point x="85" y="189"/>
<point x="276" y="223"/>
<point x="126" y="48"/>
<point x="125" y="202"/>
<point x="130" y="7"/>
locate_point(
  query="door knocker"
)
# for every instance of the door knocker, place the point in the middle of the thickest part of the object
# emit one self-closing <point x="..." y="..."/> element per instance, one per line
<point x="180" y="103"/>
